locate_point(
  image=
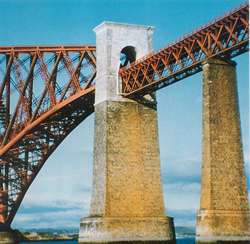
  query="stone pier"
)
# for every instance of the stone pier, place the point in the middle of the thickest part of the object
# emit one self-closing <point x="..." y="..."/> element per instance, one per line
<point x="224" y="211"/>
<point x="127" y="200"/>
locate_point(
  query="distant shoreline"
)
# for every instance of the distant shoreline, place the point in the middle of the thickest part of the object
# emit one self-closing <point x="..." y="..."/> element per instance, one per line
<point x="46" y="235"/>
<point x="48" y="240"/>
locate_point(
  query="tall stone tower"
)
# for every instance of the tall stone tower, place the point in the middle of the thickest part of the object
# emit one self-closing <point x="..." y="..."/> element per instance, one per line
<point x="127" y="199"/>
<point x="224" y="210"/>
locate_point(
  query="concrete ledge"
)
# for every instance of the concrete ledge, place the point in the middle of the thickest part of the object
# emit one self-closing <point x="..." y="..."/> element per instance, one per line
<point x="218" y="226"/>
<point x="127" y="230"/>
<point x="212" y="239"/>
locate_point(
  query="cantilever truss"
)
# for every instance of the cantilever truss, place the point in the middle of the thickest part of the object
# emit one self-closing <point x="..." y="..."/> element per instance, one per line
<point x="45" y="92"/>
<point x="226" y="37"/>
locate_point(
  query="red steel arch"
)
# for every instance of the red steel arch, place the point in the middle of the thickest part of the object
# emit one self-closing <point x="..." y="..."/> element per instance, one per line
<point x="45" y="93"/>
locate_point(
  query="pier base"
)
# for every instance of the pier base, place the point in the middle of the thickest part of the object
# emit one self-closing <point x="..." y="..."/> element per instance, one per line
<point x="210" y="223"/>
<point x="126" y="230"/>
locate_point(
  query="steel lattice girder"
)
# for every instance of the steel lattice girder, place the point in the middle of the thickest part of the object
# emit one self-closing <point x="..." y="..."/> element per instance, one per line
<point x="44" y="94"/>
<point x="226" y="37"/>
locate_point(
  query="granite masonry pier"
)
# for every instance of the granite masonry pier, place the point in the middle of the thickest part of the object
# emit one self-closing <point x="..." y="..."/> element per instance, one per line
<point x="127" y="199"/>
<point x="224" y="211"/>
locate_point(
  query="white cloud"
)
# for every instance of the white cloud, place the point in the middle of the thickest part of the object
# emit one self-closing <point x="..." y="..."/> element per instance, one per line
<point x="181" y="167"/>
<point x="181" y="187"/>
<point x="182" y="201"/>
<point x="64" y="216"/>
<point x="64" y="199"/>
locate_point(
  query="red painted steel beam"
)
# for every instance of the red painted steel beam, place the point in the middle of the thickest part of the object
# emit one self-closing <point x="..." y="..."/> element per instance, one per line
<point x="225" y="37"/>
<point x="52" y="49"/>
<point x="43" y="117"/>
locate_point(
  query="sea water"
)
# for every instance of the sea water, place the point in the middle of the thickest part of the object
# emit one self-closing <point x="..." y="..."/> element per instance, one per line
<point x="186" y="240"/>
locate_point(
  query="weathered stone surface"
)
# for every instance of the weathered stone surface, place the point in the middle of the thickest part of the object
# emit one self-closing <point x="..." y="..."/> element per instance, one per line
<point x="224" y="210"/>
<point x="127" y="201"/>
<point x="126" y="161"/>
<point x="111" y="38"/>
<point x="116" y="230"/>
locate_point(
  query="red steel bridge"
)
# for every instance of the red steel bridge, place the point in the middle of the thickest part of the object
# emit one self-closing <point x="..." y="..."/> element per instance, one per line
<point x="46" y="91"/>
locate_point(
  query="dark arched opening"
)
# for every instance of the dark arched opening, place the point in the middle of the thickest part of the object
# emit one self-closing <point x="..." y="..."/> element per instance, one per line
<point x="127" y="56"/>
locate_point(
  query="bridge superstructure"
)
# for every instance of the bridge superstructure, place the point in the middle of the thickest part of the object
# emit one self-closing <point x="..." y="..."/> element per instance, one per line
<point x="45" y="92"/>
<point x="225" y="37"/>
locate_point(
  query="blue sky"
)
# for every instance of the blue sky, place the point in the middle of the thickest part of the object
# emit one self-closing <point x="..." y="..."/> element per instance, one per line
<point x="60" y="194"/>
